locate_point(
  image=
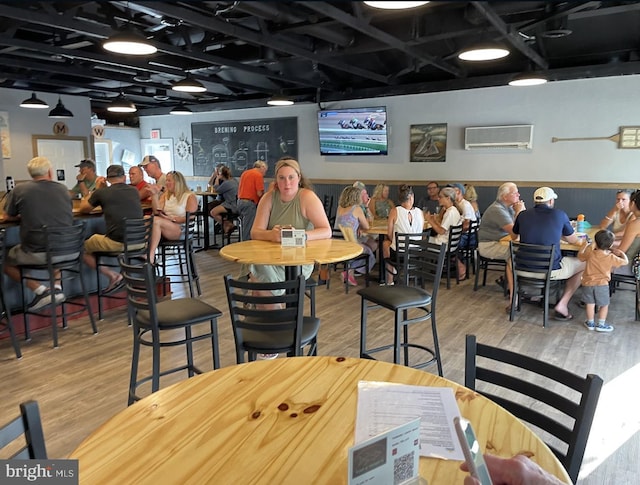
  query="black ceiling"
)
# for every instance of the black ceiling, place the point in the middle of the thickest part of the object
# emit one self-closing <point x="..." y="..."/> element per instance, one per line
<point x="244" y="52"/>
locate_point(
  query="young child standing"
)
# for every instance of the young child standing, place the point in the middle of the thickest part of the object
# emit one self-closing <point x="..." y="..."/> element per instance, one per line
<point x="600" y="259"/>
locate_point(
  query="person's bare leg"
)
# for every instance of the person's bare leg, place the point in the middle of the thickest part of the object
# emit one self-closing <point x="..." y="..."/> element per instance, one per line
<point x="572" y="284"/>
<point x="13" y="272"/>
<point x="603" y="311"/>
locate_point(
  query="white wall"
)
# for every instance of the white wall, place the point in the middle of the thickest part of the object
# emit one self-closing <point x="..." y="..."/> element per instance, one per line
<point x="27" y="122"/>
<point x="566" y="109"/>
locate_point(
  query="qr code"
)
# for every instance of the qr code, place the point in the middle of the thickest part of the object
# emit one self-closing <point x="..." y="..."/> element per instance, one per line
<point x="403" y="468"/>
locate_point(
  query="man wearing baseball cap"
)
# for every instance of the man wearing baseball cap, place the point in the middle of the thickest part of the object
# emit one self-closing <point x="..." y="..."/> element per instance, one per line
<point x="118" y="201"/>
<point x="151" y="165"/>
<point x="86" y="179"/>
<point x="546" y="225"/>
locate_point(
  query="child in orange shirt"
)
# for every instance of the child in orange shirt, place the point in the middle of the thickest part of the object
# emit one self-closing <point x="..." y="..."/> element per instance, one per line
<point x="600" y="259"/>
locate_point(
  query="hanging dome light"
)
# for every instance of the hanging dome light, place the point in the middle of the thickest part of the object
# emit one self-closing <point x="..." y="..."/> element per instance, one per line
<point x="60" y="111"/>
<point x="189" y="85"/>
<point x="34" y="102"/>
<point x="122" y="105"/>
<point x="129" y="42"/>
<point x="181" y="109"/>
<point x="528" y="79"/>
<point x="395" y="5"/>
<point x="280" y="101"/>
<point x="483" y="53"/>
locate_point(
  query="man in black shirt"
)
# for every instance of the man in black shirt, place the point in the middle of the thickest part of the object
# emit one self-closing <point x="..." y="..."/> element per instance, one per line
<point x="118" y="201"/>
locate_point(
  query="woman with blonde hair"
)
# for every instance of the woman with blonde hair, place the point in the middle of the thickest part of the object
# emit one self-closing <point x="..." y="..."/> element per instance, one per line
<point x="350" y="214"/>
<point x="471" y="195"/>
<point x="380" y="205"/>
<point x="169" y="208"/>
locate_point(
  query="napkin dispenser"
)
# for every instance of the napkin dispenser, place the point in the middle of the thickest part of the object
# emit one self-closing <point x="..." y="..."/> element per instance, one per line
<point x="291" y="237"/>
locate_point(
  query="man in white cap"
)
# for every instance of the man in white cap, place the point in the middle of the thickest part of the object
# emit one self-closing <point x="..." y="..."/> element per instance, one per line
<point x="151" y="166"/>
<point x="546" y="225"/>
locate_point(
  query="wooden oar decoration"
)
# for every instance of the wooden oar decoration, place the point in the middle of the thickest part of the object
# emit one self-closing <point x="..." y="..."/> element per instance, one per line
<point x="615" y="138"/>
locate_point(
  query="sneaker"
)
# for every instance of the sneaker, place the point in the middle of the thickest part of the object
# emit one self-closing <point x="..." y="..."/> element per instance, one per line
<point x="352" y="280"/>
<point x="590" y="325"/>
<point x="266" y="356"/>
<point x="44" y="299"/>
<point x="604" y="328"/>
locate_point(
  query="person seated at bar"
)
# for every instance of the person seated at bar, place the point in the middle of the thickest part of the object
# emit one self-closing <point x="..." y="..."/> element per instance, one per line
<point x="405" y="218"/>
<point x="619" y="215"/>
<point x="136" y="177"/>
<point x="364" y="205"/>
<point x="449" y="216"/>
<point x="380" y="204"/>
<point x="118" y="201"/>
<point x="86" y="179"/>
<point x="432" y="202"/>
<point x="497" y="222"/>
<point x="153" y="169"/>
<point x="41" y="201"/>
<point x="170" y="208"/>
<point x="349" y="213"/>
<point x="228" y="190"/>
<point x="546" y="225"/>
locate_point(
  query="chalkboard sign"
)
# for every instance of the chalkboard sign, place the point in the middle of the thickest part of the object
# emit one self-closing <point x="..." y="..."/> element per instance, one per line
<point x="238" y="144"/>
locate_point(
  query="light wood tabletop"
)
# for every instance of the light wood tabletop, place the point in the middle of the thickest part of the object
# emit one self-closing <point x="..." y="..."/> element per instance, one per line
<point x="564" y="246"/>
<point x="275" y="422"/>
<point x="322" y="251"/>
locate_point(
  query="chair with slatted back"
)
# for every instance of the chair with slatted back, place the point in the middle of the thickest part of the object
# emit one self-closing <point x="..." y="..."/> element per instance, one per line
<point x="135" y="246"/>
<point x="468" y="246"/>
<point x="455" y="233"/>
<point x="179" y="254"/>
<point x="396" y="260"/>
<point x="64" y="248"/>
<point x="411" y="304"/>
<point x="531" y="269"/>
<point x="27" y="429"/>
<point x="327" y="203"/>
<point x="563" y="403"/>
<point x="5" y="312"/>
<point x="361" y="261"/>
<point x="268" y="318"/>
<point x="177" y="318"/>
<point x="619" y="279"/>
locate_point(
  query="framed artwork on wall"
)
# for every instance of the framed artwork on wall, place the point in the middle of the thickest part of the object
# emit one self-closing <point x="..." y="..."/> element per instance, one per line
<point x="5" y="135"/>
<point x="428" y="143"/>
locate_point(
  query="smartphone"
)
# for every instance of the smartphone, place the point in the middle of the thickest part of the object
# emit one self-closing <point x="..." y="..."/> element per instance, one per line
<point x="471" y="449"/>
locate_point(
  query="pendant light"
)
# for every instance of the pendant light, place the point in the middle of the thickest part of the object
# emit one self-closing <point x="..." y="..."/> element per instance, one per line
<point x="181" y="109"/>
<point x="528" y="79"/>
<point x="395" y="5"/>
<point x="122" y="105"/>
<point x="34" y="102"/>
<point x="488" y="52"/>
<point x="279" y="100"/>
<point x="129" y="42"/>
<point x="60" y="111"/>
<point x="189" y="85"/>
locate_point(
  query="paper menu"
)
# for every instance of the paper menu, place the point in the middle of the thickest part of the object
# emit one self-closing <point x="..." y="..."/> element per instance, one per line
<point x="385" y="405"/>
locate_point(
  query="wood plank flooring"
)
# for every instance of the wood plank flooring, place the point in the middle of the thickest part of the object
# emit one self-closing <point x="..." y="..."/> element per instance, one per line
<point x="84" y="382"/>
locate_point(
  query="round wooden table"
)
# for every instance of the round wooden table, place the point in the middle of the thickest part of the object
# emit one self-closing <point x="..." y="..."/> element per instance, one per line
<point x="323" y="251"/>
<point x="275" y="422"/>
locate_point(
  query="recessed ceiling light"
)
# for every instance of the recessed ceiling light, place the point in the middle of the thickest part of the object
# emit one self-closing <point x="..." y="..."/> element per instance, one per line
<point x="483" y="54"/>
<point x="34" y="102"/>
<point x="129" y="42"/>
<point x="395" y="5"/>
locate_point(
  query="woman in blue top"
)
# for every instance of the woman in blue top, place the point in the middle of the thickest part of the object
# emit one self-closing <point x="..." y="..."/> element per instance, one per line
<point x="350" y="214"/>
<point x="228" y="190"/>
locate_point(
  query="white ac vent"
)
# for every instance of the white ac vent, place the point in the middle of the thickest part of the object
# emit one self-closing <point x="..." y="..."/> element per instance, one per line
<point x="512" y="136"/>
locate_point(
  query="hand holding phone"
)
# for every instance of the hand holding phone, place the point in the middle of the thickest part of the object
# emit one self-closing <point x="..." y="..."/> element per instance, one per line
<point x="471" y="449"/>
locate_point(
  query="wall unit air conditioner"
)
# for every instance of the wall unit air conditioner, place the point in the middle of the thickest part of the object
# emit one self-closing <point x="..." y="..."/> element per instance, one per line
<point x="512" y="136"/>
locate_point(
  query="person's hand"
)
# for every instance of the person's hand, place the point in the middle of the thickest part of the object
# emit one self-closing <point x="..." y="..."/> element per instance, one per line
<point x="519" y="206"/>
<point x="518" y="470"/>
<point x="101" y="182"/>
<point x="80" y="177"/>
<point x="154" y="189"/>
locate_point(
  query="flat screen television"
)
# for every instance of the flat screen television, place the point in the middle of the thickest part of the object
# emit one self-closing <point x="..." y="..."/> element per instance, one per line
<point x="353" y="131"/>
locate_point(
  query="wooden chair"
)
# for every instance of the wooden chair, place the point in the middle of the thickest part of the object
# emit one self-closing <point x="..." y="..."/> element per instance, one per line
<point x="150" y="318"/>
<point x="455" y="233"/>
<point x="5" y="312"/>
<point x="27" y="428"/>
<point x="268" y="323"/>
<point x="182" y="250"/>
<point x="423" y="262"/>
<point x="554" y="391"/>
<point x="64" y="248"/>
<point x="361" y="261"/>
<point x="531" y="270"/>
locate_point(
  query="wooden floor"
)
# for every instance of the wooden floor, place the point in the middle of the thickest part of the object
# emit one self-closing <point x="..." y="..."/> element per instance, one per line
<point x="84" y="382"/>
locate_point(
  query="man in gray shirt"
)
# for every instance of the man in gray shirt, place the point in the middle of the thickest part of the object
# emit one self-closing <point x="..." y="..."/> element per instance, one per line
<point x="497" y="222"/>
<point x="36" y="203"/>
